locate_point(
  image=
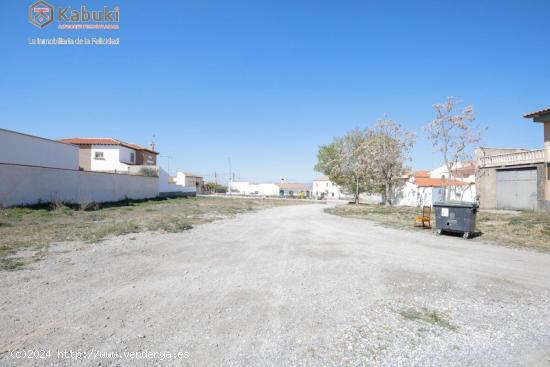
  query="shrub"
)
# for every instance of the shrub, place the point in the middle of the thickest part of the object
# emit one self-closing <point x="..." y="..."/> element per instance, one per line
<point x="148" y="171"/>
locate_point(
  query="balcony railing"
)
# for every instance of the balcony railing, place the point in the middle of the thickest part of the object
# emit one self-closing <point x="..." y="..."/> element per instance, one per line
<point x="511" y="159"/>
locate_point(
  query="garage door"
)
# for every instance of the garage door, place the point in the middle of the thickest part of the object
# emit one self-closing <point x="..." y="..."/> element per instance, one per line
<point x="517" y="189"/>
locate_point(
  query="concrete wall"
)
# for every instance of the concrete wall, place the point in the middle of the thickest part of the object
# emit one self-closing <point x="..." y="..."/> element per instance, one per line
<point x="26" y="185"/>
<point x="17" y="148"/>
<point x="85" y="157"/>
<point x="486" y="182"/>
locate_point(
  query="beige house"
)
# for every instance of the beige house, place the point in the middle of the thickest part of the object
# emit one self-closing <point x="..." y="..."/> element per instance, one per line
<point x="293" y="189"/>
<point x="516" y="178"/>
<point x="112" y="155"/>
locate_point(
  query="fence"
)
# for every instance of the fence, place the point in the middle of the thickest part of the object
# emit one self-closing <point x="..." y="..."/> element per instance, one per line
<point x="516" y="158"/>
<point x="27" y="185"/>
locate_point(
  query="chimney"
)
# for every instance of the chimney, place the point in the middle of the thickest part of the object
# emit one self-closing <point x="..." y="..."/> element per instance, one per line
<point x="282" y="180"/>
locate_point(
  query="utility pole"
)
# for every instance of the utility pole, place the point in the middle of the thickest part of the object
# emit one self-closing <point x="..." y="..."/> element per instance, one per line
<point x="168" y="159"/>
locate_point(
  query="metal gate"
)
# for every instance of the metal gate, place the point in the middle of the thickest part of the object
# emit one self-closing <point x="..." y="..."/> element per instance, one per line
<point x="517" y="189"/>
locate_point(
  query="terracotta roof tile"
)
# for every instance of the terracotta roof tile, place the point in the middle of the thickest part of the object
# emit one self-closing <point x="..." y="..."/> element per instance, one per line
<point x="537" y="113"/>
<point x="437" y="182"/>
<point x="105" y="141"/>
<point x="292" y="186"/>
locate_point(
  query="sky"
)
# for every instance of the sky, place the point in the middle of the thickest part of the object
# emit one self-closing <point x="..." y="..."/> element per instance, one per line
<point x="266" y="82"/>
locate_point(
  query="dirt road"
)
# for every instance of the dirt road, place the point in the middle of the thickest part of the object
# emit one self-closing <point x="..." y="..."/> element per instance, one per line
<point x="283" y="286"/>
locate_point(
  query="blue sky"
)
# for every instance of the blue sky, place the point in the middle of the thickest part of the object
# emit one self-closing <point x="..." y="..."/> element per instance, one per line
<point x="267" y="82"/>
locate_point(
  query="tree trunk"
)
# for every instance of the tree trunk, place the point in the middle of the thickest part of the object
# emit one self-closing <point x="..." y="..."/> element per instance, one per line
<point x="357" y="190"/>
<point x="387" y="194"/>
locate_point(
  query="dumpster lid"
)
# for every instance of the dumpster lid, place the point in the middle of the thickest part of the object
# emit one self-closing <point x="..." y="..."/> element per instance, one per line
<point x="457" y="203"/>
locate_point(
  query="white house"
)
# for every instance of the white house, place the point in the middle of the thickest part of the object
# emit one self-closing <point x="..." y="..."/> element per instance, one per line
<point x="29" y="150"/>
<point x="112" y="155"/>
<point x="463" y="171"/>
<point x="323" y="188"/>
<point x="422" y="188"/>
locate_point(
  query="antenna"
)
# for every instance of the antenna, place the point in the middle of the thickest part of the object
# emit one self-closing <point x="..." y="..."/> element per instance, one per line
<point x="153" y="142"/>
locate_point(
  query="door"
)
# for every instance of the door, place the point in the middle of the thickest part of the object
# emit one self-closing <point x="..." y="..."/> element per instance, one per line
<point x="517" y="189"/>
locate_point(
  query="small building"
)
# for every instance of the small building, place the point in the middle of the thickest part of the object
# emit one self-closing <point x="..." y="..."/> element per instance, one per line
<point x="515" y="178"/>
<point x="188" y="179"/>
<point x="112" y="155"/>
<point x="293" y="189"/>
<point x="324" y="188"/>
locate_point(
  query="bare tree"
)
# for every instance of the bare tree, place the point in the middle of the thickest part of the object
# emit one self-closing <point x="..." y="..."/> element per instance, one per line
<point x="452" y="133"/>
<point x="388" y="148"/>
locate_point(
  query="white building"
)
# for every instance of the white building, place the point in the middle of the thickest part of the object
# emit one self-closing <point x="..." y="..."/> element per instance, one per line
<point x="323" y="188"/>
<point x="423" y="188"/>
<point x="463" y="171"/>
<point x="24" y="149"/>
<point x="112" y="155"/>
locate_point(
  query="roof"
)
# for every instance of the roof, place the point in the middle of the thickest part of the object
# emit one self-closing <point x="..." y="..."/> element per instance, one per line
<point x="537" y="113"/>
<point x="191" y="174"/>
<point x="292" y="186"/>
<point x="423" y="173"/>
<point x="437" y="182"/>
<point x="322" y="178"/>
<point x="105" y="141"/>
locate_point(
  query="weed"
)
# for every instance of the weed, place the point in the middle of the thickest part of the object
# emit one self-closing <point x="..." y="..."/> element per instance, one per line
<point x="430" y="316"/>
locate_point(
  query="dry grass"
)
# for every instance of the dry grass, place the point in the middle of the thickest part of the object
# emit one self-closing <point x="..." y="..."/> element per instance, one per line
<point x="35" y="228"/>
<point x="519" y="229"/>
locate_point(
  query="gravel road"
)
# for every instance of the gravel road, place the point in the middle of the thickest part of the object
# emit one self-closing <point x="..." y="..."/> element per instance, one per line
<point x="280" y="287"/>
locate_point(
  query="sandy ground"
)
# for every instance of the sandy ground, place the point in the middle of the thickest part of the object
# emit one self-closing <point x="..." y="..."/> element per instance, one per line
<point x="283" y="286"/>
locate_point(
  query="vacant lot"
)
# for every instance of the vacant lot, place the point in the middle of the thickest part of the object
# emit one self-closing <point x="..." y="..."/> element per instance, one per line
<point x="522" y="229"/>
<point x="34" y="229"/>
<point x="286" y="286"/>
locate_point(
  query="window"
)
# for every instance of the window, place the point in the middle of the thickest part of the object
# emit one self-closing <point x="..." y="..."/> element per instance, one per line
<point x="132" y="157"/>
<point x="99" y="155"/>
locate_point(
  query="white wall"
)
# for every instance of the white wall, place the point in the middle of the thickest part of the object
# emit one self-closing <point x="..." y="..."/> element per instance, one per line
<point x="16" y="148"/>
<point x="412" y="195"/>
<point x="247" y="188"/>
<point x="111" y="158"/>
<point x="165" y="186"/>
<point x="125" y="155"/>
<point x="26" y="185"/>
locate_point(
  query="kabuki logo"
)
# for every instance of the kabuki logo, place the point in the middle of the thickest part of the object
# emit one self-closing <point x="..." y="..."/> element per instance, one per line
<point x="41" y="14"/>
